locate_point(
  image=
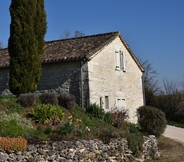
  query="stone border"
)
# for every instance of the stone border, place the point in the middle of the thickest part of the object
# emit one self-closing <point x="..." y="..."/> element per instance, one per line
<point x="82" y="151"/>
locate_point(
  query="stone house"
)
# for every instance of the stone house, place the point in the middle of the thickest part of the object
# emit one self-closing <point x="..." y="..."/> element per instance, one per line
<point x="97" y="69"/>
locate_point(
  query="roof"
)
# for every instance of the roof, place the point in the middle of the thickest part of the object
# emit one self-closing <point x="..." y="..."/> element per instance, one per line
<point x="73" y="49"/>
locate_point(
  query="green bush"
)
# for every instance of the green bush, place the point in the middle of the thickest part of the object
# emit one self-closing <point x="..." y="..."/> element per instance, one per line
<point x="135" y="142"/>
<point x="151" y="120"/>
<point x="26" y="100"/>
<point x="95" y="111"/>
<point x="48" y="98"/>
<point x="66" y="100"/>
<point x="47" y="114"/>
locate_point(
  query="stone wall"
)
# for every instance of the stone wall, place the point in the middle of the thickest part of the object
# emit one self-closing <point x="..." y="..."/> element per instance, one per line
<point x="61" y="77"/>
<point x="56" y="77"/>
<point x="82" y="151"/>
<point x="117" y="85"/>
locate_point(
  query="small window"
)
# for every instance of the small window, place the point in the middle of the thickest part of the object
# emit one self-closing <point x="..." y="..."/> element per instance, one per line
<point x="107" y="102"/>
<point x="104" y="102"/>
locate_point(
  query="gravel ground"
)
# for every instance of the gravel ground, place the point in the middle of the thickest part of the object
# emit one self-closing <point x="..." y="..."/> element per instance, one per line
<point x="174" y="133"/>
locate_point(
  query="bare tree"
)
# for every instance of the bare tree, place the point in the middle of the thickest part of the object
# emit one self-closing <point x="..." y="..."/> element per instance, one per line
<point x="78" y="33"/>
<point x="1" y="45"/>
<point x="66" y="34"/>
<point x="150" y="82"/>
<point x="170" y="100"/>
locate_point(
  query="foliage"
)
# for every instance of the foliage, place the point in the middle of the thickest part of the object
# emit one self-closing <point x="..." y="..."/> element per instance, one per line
<point x="120" y="118"/>
<point x="11" y="129"/>
<point x="135" y="142"/>
<point x="26" y="100"/>
<point x="108" y="118"/>
<point x="150" y="82"/>
<point x="48" y="130"/>
<point x="134" y="128"/>
<point x="23" y="122"/>
<point x="26" y="44"/>
<point x="66" y="128"/>
<point x="151" y="120"/>
<point x="66" y="100"/>
<point x="13" y="144"/>
<point x="106" y="134"/>
<point x="170" y="101"/>
<point x="176" y="124"/>
<point x="48" y="98"/>
<point x="47" y="114"/>
<point x="8" y="104"/>
<point x="96" y="111"/>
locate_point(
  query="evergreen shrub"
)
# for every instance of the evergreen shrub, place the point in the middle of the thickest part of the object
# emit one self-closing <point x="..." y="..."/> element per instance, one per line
<point x="151" y="120"/>
<point x="48" y="98"/>
<point x="26" y="100"/>
<point x="66" y="100"/>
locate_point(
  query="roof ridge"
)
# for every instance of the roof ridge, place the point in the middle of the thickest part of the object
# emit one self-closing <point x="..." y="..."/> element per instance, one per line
<point x="86" y="36"/>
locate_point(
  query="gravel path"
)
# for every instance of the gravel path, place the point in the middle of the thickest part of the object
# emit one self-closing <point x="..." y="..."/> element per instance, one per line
<point x="174" y="133"/>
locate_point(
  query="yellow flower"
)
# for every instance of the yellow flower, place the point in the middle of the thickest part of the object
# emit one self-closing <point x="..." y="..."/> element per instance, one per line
<point x="70" y="117"/>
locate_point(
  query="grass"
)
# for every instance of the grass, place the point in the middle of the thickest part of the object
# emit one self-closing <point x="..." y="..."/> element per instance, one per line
<point x="170" y="150"/>
<point x="173" y="123"/>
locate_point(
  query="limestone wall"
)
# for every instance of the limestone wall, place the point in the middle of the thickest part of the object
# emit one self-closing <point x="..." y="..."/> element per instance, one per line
<point x="83" y="151"/>
<point x="116" y="85"/>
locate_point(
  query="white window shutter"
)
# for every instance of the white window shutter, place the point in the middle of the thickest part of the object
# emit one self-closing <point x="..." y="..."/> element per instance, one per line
<point x="124" y="62"/>
<point x="117" y="60"/>
<point x="102" y="102"/>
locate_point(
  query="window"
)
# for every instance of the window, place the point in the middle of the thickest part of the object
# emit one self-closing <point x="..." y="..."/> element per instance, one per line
<point x="120" y="61"/>
<point x="107" y="102"/>
<point x="121" y="103"/>
<point x="104" y="102"/>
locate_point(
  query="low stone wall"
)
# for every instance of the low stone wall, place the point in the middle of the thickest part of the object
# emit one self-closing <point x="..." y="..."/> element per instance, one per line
<point x="82" y="151"/>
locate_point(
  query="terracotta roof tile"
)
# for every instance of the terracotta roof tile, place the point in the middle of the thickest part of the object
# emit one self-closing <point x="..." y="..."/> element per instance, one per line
<point x="73" y="49"/>
<point x="68" y="49"/>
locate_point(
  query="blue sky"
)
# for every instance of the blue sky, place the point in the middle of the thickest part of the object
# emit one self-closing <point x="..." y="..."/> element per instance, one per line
<point x="154" y="29"/>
